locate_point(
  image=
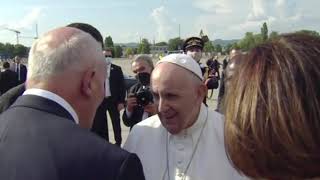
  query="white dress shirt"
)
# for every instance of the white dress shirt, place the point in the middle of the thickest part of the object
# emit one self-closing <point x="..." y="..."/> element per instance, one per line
<point x="149" y="140"/>
<point x="107" y="82"/>
<point x="54" y="97"/>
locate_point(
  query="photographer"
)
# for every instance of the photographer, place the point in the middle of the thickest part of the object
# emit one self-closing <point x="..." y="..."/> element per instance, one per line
<point x="139" y="105"/>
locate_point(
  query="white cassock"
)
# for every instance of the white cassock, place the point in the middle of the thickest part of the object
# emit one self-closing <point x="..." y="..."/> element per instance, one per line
<point x="196" y="153"/>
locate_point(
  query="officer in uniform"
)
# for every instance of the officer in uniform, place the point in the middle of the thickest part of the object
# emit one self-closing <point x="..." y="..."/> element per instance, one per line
<point x="193" y="46"/>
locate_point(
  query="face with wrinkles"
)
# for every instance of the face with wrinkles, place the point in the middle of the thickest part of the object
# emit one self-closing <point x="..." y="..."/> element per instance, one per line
<point x="177" y="96"/>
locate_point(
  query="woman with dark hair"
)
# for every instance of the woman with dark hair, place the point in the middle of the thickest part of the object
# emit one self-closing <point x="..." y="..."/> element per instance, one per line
<point x="272" y="128"/>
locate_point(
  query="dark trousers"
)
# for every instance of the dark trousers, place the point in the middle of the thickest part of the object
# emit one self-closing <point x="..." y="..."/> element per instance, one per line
<point x="115" y="119"/>
<point x="100" y="124"/>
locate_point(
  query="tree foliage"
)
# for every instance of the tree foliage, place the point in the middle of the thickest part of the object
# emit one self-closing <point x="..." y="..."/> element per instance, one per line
<point x="175" y="44"/>
<point x="203" y="36"/>
<point x="218" y="48"/>
<point x="161" y="44"/>
<point x="144" y="47"/>
<point x="129" y="52"/>
<point x="309" y="32"/>
<point x="264" y="32"/>
<point x="208" y="47"/>
<point x="273" y="35"/>
<point x="249" y="41"/>
<point x="11" y="50"/>
<point x="117" y="51"/>
<point x="108" y="42"/>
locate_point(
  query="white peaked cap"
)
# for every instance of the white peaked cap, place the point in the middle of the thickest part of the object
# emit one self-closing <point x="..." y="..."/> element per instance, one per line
<point x="184" y="61"/>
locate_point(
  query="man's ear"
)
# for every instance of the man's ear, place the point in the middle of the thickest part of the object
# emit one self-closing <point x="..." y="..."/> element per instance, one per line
<point x="202" y="91"/>
<point x="87" y="82"/>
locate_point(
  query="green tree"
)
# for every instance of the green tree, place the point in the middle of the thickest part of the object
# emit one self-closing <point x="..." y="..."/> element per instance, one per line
<point x="20" y="50"/>
<point x="117" y="51"/>
<point x="144" y="47"/>
<point x="2" y="49"/>
<point x="161" y="44"/>
<point x="9" y="49"/>
<point x="273" y="35"/>
<point x="235" y="46"/>
<point x="309" y="32"/>
<point x="247" y="42"/>
<point x="228" y="48"/>
<point x="129" y="52"/>
<point x="264" y="32"/>
<point x="108" y="43"/>
<point x="218" y="48"/>
<point x="175" y="44"/>
<point x="203" y="36"/>
<point x="208" y="47"/>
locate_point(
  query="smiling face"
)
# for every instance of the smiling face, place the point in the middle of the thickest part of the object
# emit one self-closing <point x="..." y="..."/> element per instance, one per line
<point x="178" y="95"/>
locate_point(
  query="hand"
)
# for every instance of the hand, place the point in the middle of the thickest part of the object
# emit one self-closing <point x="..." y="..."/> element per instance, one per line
<point x="151" y="109"/>
<point x="120" y="106"/>
<point x="131" y="103"/>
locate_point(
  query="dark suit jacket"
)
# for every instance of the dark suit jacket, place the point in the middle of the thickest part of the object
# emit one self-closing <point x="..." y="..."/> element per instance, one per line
<point x="8" y="80"/>
<point x="137" y="112"/>
<point x="40" y="141"/>
<point x="23" y="72"/>
<point x="8" y="98"/>
<point x="117" y="87"/>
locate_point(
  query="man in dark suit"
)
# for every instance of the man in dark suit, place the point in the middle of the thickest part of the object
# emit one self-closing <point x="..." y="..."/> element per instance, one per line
<point x="115" y="102"/>
<point x="142" y="66"/>
<point x="44" y="134"/>
<point x="8" y="78"/>
<point x="20" y="69"/>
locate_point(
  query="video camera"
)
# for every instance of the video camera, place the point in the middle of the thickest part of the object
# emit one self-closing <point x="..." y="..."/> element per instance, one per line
<point x="144" y="96"/>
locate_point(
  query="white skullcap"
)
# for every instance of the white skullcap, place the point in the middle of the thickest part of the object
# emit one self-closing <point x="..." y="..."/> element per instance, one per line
<point x="184" y="61"/>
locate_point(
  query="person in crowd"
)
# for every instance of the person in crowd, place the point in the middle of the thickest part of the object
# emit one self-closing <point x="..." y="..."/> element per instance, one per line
<point x="185" y="135"/>
<point x="227" y="74"/>
<point x="115" y="98"/>
<point x="8" y="78"/>
<point x="273" y="111"/>
<point x="45" y="133"/>
<point x="193" y="46"/>
<point x="135" y="112"/>
<point x="20" y="69"/>
<point x="8" y="98"/>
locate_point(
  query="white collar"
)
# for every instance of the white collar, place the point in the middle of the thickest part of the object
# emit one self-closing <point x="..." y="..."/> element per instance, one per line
<point x="54" y="97"/>
<point x="193" y="130"/>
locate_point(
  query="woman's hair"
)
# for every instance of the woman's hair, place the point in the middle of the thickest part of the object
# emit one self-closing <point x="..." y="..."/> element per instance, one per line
<point x="272" y="110"/>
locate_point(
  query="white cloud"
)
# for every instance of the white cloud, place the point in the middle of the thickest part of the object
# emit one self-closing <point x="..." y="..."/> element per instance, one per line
<point x="28" y="21"/>
<point x="210" y="6"/>
<point x="161" y="18"/>
<point x="258" y="12"/>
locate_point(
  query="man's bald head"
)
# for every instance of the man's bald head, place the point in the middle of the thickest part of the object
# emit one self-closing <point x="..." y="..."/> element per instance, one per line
<point x="70" y="63"/>
<point x="59" y="50"/>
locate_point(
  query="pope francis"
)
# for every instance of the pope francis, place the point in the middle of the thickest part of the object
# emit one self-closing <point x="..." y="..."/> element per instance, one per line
<point x="185" y="139"/>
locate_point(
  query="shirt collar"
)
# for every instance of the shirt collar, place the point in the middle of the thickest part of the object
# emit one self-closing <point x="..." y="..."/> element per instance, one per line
<point x="54" y="97"/>
<point x="195" y="129"/>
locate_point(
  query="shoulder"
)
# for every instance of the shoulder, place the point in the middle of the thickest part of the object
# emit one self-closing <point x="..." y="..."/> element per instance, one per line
<point x="152" y="121"/>
<point x="216" y="124"/>
<point x="146" y="131"/>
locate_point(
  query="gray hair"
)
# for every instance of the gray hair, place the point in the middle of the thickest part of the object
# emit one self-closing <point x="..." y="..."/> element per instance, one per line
<point x="146" y="58"/>
<point x="45" y="60"/>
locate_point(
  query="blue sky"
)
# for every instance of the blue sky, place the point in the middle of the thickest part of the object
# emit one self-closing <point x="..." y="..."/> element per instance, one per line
<point x="158" y="20"/>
